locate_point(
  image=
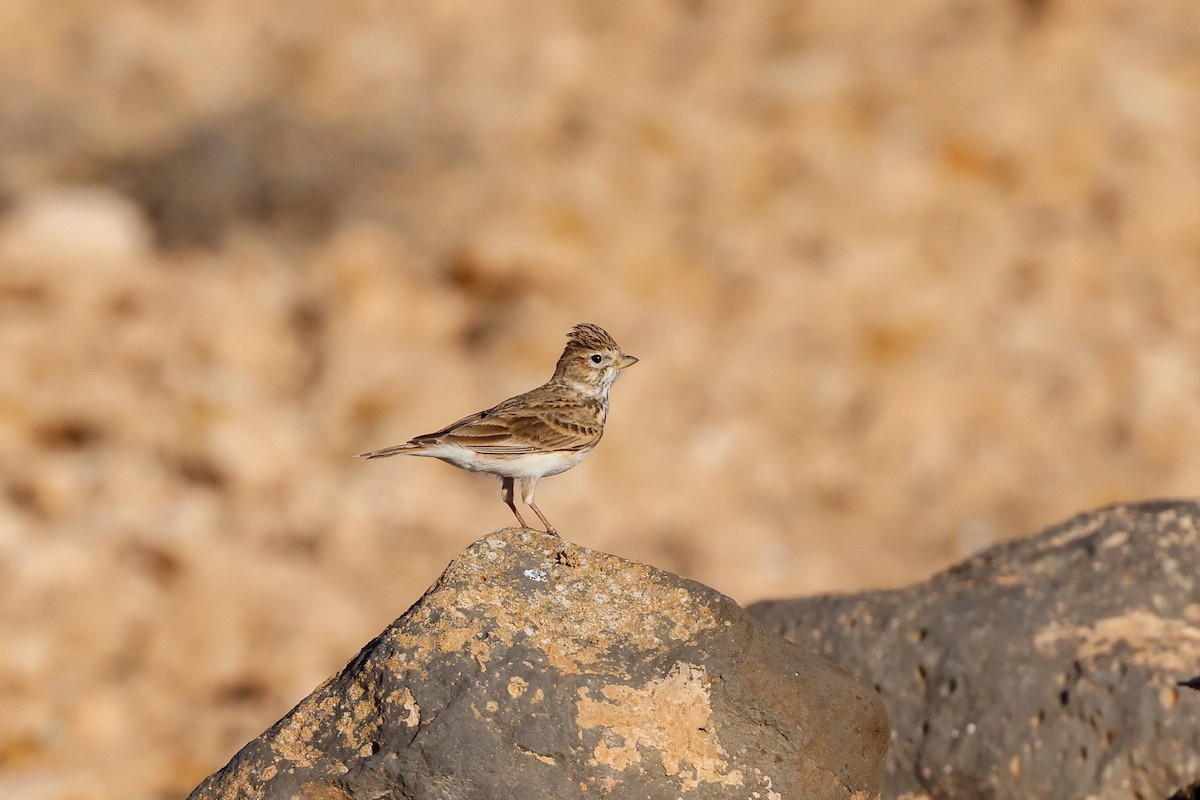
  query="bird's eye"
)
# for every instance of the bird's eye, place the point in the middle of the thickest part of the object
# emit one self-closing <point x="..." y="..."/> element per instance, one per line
<point x="596" y="359"/>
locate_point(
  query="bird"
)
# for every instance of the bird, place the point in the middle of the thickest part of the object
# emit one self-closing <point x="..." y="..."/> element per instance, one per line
<point x="542" y="432"/>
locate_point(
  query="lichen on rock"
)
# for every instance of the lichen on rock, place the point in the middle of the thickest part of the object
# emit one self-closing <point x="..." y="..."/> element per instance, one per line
<point x="524" y="673"/>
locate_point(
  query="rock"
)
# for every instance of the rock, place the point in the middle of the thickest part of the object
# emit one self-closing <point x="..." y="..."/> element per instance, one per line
<point x="538" y="669"/>
<point x="1044" y="667"/>
<point x="74" y="232"/>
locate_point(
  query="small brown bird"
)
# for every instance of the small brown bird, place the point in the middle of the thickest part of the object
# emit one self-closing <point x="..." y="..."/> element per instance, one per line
<point x="542" y="432"/>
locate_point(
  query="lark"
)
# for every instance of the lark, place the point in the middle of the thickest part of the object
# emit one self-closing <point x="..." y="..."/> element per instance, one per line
<point x="542" y="432"/>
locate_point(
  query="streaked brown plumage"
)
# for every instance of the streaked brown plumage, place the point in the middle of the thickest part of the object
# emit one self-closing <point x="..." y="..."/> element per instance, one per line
<point x="542" y="432"/>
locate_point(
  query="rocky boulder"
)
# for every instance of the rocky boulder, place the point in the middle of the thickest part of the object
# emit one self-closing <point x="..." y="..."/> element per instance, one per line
<point x="1044" y="667"/>
<point x="534" y="668"/>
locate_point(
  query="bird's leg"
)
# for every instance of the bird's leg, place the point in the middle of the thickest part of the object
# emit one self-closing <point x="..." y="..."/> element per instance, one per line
<point x="528" y="485"/>
<point x="506" y="492"/>
<point x="549" y="528"/>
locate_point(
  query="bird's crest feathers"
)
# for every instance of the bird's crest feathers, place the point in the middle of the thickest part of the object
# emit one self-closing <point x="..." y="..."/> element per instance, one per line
<point x="587" y="336"/>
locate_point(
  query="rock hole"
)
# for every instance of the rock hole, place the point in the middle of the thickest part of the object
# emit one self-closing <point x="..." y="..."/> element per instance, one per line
<point x="308" y="323"/>
<point x="25" y="497"/>
<point x="201" y="471"/>
<point x="68" y="434"/>
<point x="27" y="295"/>
<point x="1064" y="697"/>
<point x="241" y="691"/>
<point x="125" y="304"/>
<point x="160" y="564"/>
<point x="1033" y="11"/>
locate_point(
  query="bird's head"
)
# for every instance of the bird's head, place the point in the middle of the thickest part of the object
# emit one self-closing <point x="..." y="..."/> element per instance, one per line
<point x="592" y="360"/>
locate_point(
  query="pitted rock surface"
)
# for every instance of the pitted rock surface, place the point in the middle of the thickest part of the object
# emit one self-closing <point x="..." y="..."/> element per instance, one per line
<point x="534" y="668"/>
<point x="1043" y="667"/>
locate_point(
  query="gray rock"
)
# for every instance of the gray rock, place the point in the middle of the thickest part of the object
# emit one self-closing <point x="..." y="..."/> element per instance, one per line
<point x="538" y="669"/>
<point x="1044" y="667"/>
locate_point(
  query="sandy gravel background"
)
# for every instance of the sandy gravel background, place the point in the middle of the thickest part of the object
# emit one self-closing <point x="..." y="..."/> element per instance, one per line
<point x="906" y="279"/>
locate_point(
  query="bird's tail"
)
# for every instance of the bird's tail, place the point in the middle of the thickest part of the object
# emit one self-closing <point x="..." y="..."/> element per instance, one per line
<point x="394" y="450"/>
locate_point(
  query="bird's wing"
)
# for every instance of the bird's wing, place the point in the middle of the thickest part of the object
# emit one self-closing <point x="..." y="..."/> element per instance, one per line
<point x="524" y="424"/>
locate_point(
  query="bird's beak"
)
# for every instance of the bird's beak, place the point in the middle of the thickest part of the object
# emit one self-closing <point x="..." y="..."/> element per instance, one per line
<point x="626" y="361"/>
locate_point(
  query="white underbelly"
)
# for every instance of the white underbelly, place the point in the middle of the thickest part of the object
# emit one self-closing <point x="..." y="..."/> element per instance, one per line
<point x="524" y="465"/>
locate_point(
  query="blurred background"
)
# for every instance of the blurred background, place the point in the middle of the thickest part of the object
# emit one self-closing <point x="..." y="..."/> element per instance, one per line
<point x="905" y="279"/>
